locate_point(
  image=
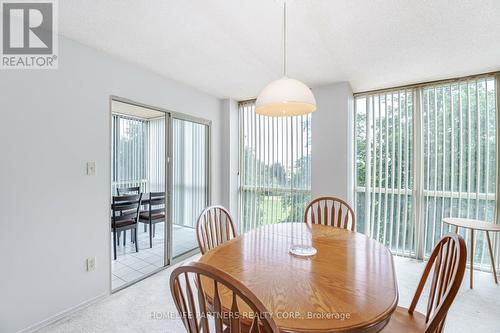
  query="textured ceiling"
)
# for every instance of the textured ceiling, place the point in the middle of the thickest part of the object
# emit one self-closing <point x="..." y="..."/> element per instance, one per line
<point x="232" y="48"/>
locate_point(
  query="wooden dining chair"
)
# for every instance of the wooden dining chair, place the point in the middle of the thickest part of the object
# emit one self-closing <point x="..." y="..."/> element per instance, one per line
<point x="215" y="226"/>
<point x="154" y="214"/>
<point x="125" y="216"/>
<point x="448" y="264"/>
<point x="330" y="211"/>
<point x="198" y="291"/>
<point x="128" y="190"/>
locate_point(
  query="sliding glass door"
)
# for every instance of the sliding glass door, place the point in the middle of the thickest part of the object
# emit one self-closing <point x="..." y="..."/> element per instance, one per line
<point x="160" y="172"/>
<point x="138" y="170"/>
<point x="163" y="158"/>
<point x="190" y="180"/>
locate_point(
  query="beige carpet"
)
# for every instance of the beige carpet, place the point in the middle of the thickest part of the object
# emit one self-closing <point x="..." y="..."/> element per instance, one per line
<point x="131" y="310"/>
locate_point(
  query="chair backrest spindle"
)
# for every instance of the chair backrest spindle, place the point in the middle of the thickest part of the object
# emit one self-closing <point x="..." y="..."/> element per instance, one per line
<point x="447" y="263"/>
<point x="330" y="211"/>
<point x="215" y="226"/>
<point x="226" y="297"/>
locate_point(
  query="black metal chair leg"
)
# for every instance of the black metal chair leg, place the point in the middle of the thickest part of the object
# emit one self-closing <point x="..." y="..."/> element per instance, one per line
<point x="136" y="243"/>
<point x="114" y="243"/>
<point x="145" y="227"/>
<point x="124" y="237"/>
<point x="150" y="236"/>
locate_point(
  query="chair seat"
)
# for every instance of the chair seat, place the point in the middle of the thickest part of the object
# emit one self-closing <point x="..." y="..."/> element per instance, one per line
<point x="402" y="321"/>
<point x="156" y="216"/>
<point x="124" y="223"/>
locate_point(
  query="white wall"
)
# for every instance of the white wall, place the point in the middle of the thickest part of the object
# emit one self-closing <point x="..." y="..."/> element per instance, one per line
<point x="53" y="215"/>
<point x="332" y="158"/>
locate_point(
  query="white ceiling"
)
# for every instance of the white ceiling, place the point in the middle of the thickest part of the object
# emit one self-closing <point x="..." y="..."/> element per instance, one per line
<point x="232" y="48"/>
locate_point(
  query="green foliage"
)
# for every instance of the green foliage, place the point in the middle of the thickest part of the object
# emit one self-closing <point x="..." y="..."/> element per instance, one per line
<point x="272" y="192"/>
<point x="458" y="140"/>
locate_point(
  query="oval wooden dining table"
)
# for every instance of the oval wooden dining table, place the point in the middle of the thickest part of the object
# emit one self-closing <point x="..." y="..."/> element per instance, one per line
<point x="348" y="286"/>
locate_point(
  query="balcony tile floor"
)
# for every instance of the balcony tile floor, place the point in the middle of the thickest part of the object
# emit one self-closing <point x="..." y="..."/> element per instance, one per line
<point x="130" y="265"/>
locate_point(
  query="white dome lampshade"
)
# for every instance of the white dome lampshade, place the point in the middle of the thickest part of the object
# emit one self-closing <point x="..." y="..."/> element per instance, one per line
<point x="285" y="97"/>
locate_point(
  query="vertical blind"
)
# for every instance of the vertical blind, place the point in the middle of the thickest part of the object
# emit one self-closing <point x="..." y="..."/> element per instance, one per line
<point x="190" y="171"/>
<point x="384" y="130"/>
<point x="423" y="154"/>
<point x="138" y="150"/>
<point x="156" y="153"/>
<point x="129" y="151"/>
<point x="459" y="138"/>
<point x="275" y="167"/>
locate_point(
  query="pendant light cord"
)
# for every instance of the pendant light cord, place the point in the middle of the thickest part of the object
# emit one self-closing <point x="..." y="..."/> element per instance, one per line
<point x="284" y="38"/>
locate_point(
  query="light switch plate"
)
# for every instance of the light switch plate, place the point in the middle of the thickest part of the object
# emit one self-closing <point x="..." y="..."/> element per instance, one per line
<point x="90" y="168"/>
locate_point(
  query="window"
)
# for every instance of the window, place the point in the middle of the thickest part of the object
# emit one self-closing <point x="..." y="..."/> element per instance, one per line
<point x="459" y="144"/>
<point x="156" y="154"/>
<point x="138" y="150"/>
<point x="129" y="149"/>
<point x="275" y="167"/>
<point x="423" y="154"/>
<point x="384" y="184"/>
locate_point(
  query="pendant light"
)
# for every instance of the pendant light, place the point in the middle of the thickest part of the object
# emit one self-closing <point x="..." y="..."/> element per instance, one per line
<point x="285" y="97"/>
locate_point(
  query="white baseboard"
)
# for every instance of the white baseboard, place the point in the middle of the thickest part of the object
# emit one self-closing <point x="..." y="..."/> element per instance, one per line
<point x="63" y="314"/>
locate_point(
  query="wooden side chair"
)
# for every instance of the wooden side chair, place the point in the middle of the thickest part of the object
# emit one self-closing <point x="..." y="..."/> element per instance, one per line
<point x="330" y="211"/>
<point x="128" y="191"/>
<point x="125" y="216"/>
<point x="215" y="226"/>
<point x="154" y="214"/>
<point x="448" y="263"/>
<point x="199" y="290"/>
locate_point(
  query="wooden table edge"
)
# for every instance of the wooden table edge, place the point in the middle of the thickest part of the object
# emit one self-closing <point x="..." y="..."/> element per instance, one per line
<point x="378" y="323"/>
